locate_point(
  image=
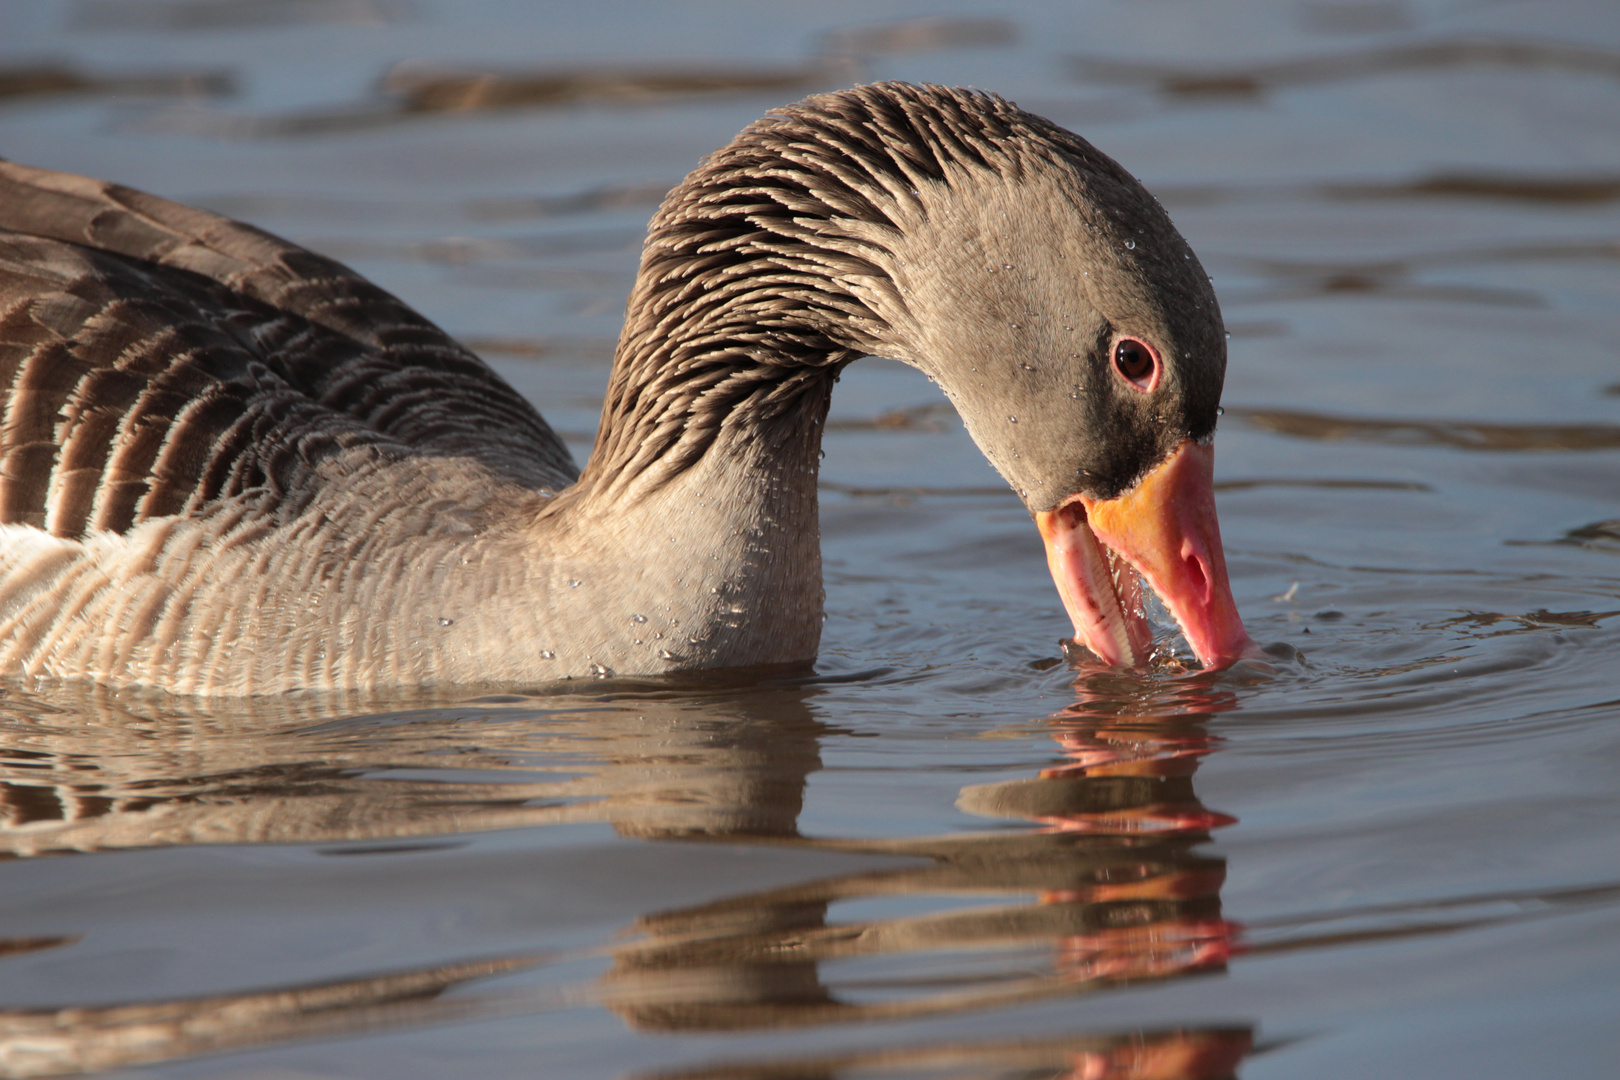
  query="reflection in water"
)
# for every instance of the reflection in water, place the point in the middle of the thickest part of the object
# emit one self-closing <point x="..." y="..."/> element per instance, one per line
<point x="591" y="201"/>
<point x="1457" y="434"/>
<point x="375" y="208"/>
<point x="1099" y="879"/>
<point x="1600" y="535"/>
<point x="1182" y="1054"/>
<point x="1106" y="890"/>
<point x="411" y="90"/>
<point x="1254" y="80"/>
<point x="1498" y="624"/>
<point x="1393" y="278"/>
<point x="1522" y="187"/>
<point x="430" y="90"/>
<point x="1103" y="886"/>
<point x="919" y="35"/>
<point x="105" y="15"/>
<point x="47" y="1042"/>
<point x="1467" y="185"/>
<point x="51" y="80"/>
<point x="98" y="769"/>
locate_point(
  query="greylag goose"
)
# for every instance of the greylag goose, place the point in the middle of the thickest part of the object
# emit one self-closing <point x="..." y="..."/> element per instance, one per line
<point x="229" y="465"/>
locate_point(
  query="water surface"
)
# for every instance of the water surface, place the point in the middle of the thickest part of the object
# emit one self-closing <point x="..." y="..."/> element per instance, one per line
<point x="951" y="851"/>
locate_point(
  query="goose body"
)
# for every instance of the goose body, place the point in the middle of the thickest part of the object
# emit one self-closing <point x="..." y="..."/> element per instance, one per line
<point x="229" y="465"/>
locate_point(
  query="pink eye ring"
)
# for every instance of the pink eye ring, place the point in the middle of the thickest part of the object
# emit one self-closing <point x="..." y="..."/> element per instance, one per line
<point x="1137" y="363"/>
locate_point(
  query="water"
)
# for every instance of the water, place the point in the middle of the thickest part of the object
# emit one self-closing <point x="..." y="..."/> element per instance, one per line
<point x="951" y="852"/>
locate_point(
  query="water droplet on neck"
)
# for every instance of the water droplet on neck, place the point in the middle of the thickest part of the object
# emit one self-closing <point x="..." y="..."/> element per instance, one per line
<point x="1130" y="245"/>
<point x="1012" y="419"/>
<point x="573" y="584"/>
<point x="638" y="618"/>
<point x="547" y="654"/>
<point x="599" y="670"/>
<point x="447" y="622"/>
<point x="665" y="654"/>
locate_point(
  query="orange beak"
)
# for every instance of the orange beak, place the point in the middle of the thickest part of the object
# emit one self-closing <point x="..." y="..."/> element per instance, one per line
<point x="1165" y="530"/>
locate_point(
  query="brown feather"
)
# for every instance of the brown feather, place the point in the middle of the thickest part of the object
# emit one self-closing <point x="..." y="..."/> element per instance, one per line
<point x="159" y="357"/>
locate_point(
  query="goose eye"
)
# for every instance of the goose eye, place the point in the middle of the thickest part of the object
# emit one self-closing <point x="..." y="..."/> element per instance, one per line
<point x="1136" y="363"/>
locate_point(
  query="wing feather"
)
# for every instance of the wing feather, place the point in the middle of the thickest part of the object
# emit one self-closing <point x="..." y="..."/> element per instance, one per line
<point x="156" y="358"/>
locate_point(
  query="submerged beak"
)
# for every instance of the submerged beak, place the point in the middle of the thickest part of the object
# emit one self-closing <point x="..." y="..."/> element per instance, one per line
<point x="1165" y="530"/>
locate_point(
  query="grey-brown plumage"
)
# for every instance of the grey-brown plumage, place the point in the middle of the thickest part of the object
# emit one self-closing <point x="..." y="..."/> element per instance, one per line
<point x="228" y="465"/>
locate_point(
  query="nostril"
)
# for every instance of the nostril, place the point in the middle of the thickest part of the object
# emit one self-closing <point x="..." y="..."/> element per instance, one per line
<point x="1198" y="577"/>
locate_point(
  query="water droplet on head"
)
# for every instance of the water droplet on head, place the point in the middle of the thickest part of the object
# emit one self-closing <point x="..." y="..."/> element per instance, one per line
<point x="1130" y="245"/>
<point x="547" y="654"/>
<point x="573" y="584"/>
<point x="598" y="670"/>
<point x="447" y="622"/>
<point x="665" y="654"/>
<point x="638" y="618"/>
<point x="1006" y="266"/>
<point x="1012" y="419"/>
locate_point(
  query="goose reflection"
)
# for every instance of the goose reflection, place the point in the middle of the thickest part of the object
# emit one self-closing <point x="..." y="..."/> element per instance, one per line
<point x="1093" y="879"/>
<point x="1109" y="888"/>
<point x="93" y="770"/>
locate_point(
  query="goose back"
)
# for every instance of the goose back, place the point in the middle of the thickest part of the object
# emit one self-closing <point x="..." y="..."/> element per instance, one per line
<point x="158" y="358"/>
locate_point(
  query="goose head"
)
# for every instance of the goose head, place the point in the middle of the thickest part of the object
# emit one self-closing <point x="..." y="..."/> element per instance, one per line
<point x="1024" y="271"/>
